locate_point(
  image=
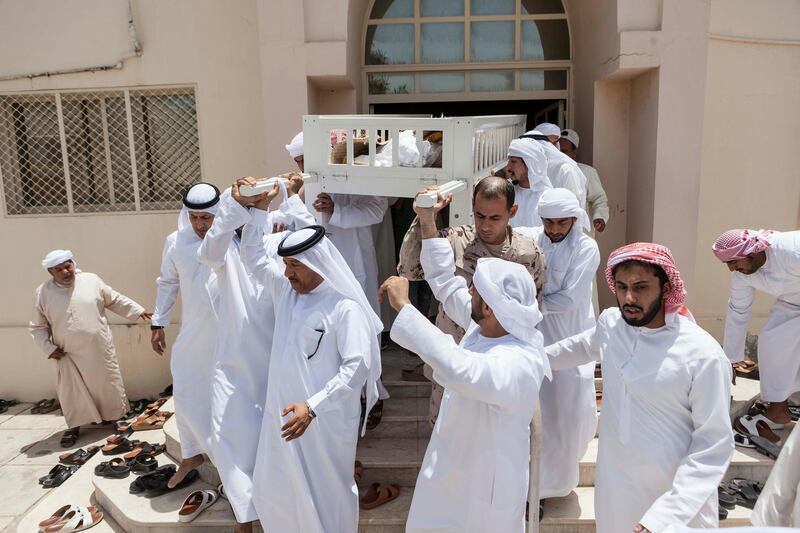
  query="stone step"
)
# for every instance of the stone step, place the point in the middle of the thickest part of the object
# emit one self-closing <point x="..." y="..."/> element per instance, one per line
<point x="746" y="463"/>
<point x="744" y="392"/>
<point x="137" y="514"/>
<point x="575" y="514"/>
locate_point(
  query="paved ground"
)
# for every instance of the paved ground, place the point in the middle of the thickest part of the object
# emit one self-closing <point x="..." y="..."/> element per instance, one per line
<point x="29" y="448"/>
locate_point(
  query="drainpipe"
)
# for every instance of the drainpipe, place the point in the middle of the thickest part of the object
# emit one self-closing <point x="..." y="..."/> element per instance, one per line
<point x="136" y="51"/>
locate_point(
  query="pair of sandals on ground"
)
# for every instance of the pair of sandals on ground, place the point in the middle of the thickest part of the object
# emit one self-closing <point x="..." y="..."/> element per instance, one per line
<point x="755" y="430"/>
<point x="68" y="464"/>
<point x="71" y="518"/>
<point x="139" y="458"/>
<point x="737" y="491"/>
<point x="377" y="494"/>
<point x="5" y="404"/>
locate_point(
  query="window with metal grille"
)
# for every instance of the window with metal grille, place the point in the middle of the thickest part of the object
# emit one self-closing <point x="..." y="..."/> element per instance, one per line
<point x="100" y="151"/>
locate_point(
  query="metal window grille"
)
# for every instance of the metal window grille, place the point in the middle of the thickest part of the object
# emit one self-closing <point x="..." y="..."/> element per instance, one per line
<point x="100" y="151"/>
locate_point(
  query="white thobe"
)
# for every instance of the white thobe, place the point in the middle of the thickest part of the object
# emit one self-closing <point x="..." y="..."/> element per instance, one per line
<point x="192" y="360"/>
<point x="89" y="386"/>
<point x="665" y="433"/>
<point x="779" y="339"/>
<point x="321" y="344"/>
<point x="474" y="477"/>
<point x="350" y="230"/>
<point x="566" y="174"/>
<point x="527" y="201"/>
<point x="569" y="410"/>
<point x="779" y="502"/>
<point x="241" y="358"/>
<point x="596" y="199"/>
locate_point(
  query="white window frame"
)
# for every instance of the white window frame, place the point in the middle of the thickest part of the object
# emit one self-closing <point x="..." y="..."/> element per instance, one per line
<point x="417" y="68"/>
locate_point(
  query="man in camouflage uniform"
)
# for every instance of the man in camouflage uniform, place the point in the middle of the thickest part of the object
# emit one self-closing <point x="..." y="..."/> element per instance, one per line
<point x="490" y="236"/>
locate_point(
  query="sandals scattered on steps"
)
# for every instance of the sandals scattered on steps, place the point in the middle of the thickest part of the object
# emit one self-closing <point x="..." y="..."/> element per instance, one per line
<point x="378" y="494"/>
<point x="5" y="404"/>
<point x="70" y="518"/>
<point x="742" y="491"/>
<point x="57" y="475"/>
<point x="375" y="415"/>
<point x="759" y="426"/>
<point x="79" y="456"/>
<point x="155" y="420"/>
<point x="121" y="445"/>
<point x="195" y="503"/>
<point x="144" y="449"/>
<point x="155" y="483"/>
<point x="747" y="369"/>
<point x="115" y="468"/>
<point x="142" y="464"/>
<point x="45" y="406"/>
<point x="69" y="438"/>
<point x="358" y="470"/>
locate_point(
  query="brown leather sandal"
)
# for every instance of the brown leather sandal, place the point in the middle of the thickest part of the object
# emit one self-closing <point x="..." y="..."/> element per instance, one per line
<point x="378" y="494"/>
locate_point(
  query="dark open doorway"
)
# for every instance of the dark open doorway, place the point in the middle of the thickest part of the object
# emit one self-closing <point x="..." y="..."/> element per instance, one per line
<point x="536" y="110"/>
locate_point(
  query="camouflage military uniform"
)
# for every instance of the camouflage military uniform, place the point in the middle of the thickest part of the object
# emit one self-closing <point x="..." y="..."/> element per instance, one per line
<point x="468" y="248"/>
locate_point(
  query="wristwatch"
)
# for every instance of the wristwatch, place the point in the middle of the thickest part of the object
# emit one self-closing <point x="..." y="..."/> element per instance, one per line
<point x="153" y="328"/>
<point x="311" y="412"/>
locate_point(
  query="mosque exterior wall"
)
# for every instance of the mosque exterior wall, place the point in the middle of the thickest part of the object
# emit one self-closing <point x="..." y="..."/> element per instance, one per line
<point x="210" y="45"/>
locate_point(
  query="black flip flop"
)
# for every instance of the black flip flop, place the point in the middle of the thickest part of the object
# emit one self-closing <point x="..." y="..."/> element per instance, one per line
<point x="79" y="456"/>
<point x="161" y="486"/>
<point x="745" y="491"/>
<point x="143" y="464"/>
<point x="53" y="471"/>
<point x="726" y="499"/>
<point x="765" y="446"/>
<point x="69" y="438"/>
<point x="153" y="479"/>
<point x="115" y="468"/>
<point x="59" y="478"/>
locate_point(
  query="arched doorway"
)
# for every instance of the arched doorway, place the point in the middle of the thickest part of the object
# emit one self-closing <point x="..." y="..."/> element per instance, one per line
<point x="468" y="57"/>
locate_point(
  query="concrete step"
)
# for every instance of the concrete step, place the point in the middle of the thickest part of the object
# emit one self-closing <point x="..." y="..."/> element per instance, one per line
<point x="743" y="393"/>
<point x="575" y="514"/>
<point x="746" y="463"/>
<point x="137" y="514"/>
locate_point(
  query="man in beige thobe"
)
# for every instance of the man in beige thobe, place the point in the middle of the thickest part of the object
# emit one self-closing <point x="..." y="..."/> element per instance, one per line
<point x="69" y="325"/>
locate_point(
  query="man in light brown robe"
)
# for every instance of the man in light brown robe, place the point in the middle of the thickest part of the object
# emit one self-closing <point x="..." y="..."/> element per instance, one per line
<point x="490" y="236"/>
<point x="69" y="325"/>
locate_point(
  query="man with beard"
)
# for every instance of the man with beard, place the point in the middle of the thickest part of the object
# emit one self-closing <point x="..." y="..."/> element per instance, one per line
<point x="768" y="261"/>
<point x="526" y="167"/>
<point x="490" y="236"/>
<point x="665" y="433"/>
<point x="569" y="411"/>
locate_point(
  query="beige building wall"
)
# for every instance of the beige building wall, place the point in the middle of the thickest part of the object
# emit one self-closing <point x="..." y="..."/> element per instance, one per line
<point x="751" y="139"/>
<point x="208" y="44"/>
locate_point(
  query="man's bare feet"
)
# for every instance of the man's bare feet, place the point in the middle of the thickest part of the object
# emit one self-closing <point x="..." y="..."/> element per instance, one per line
<point x="186" y="466"/>
<point x="778" y="412"/>
<point x="247" y="527"/>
